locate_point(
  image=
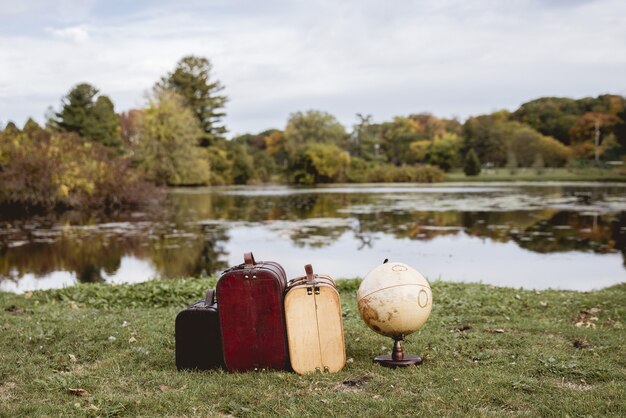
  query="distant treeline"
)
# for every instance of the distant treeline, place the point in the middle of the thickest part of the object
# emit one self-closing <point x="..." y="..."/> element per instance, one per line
<point x="88" y="155"/>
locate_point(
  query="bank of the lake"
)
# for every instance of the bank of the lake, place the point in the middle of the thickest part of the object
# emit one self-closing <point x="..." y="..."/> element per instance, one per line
<point x="588" y="174"/>
<point x="488" y="351"/>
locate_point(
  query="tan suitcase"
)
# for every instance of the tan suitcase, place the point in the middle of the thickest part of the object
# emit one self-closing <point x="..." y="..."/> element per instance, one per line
<point x="314" y="324"/>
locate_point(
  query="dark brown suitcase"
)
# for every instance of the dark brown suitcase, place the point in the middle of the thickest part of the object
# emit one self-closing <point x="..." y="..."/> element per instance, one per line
<point x="251" y="313"/>
<point x="198" y="338"/>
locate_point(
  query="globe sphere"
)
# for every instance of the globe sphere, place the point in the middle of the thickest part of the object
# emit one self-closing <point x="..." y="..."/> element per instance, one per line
<point x="394" y="300"/>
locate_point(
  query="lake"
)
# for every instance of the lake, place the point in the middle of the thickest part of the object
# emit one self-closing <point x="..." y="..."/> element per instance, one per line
<point x="549" y="235"/>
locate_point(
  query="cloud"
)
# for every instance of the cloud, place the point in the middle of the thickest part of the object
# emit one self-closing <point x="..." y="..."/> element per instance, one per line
<point x="77" y="34"/>
<point x="449" y="57"/>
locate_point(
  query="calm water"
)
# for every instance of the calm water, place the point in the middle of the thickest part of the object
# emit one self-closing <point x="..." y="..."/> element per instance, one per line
<point x="568" y="236"/>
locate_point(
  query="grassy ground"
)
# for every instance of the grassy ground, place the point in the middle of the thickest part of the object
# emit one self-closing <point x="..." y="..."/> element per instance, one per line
<point x="95" y="350"/>
<point x="549" y="174"/>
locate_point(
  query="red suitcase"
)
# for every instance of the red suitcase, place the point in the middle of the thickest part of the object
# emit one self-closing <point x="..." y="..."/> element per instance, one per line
<point x="251" y="313"/>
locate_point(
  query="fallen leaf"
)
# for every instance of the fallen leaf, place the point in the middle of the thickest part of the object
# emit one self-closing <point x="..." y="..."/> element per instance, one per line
<point x="125" y="324"/>
<point x="324" y="400"/>
<point x="73" y="305"/>
<point x="543" y="303"/>
<point x="350" y="360"/>
<point x="499" y="330"/>
<point x="164" y="388"/>
<point x="28" y="295"/>
<point x="112" y="338"/>
<point x="132" y="340"/>
<point x="78" y="392"/>
<point x="72" y="358"/>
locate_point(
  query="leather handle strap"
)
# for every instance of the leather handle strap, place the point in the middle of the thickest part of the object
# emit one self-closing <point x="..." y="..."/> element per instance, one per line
<point x="210" y="297"/>
<point x="309" y="272"/>
<point x="248" y="259"/>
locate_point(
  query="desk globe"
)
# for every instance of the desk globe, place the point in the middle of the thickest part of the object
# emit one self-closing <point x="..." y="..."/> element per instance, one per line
<point x="395" y="300"/>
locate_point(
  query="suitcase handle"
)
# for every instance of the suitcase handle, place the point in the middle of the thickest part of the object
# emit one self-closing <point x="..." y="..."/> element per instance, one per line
<point x="210" y="297"/>
<point x="309" y="272"/>
<point x="248" y="259"/>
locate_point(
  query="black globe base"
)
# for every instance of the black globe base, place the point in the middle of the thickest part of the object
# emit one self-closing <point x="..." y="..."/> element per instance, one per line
<point x="397" y="357"/>
<point x="388" y="361"/>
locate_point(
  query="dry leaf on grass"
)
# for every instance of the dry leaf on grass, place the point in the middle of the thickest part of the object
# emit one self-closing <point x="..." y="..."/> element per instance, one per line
<point x="78" y="392"/>
<point x="72" y="358"/>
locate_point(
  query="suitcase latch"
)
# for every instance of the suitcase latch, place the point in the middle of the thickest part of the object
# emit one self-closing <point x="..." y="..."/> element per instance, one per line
<point x="311" y="289"/>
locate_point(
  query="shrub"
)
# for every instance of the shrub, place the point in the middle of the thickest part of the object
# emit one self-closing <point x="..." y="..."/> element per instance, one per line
<point x="50" y="170"/>
<point x="472" y="164"/>
<point x="362" y="172"/>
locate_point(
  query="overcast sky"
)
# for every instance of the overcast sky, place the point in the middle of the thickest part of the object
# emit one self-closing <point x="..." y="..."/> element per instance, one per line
<point x="384" y="58"/>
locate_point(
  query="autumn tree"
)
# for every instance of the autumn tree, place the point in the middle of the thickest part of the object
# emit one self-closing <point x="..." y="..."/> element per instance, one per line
<point x="443" y="151"/>
<point x="526" y="143"/>
<point x="193" y="80"/>
<point x="320" y="163"/>
<point x="166" y="147"/>
<point x="592" y="127"/>
<point x="397" y="137"/>
<point x="315" y="127"/>
<point x="90" y="115"/>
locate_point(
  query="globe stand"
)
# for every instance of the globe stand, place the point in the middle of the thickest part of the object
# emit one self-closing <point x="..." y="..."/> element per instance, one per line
<point x="397" y="357"/>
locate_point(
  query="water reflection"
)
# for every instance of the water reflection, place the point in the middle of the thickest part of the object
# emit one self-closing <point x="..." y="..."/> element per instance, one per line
<point x="202" y="231"/>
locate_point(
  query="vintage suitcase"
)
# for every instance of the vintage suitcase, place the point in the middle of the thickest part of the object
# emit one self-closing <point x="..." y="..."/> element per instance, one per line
<point x="251" y="313"/>
<point x="314" y="324"/>
<point x="198" y="339"/>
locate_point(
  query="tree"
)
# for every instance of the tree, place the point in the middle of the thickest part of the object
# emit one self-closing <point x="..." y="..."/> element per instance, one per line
<point x="192" y="79"/>
<point x="92" y="118"/>
<point x="166" y="147"/>
<point x="526" y="143"/>
<point x="487" y="135"/>
<point x="444" y="151"/>
<point x="129" y="126"/>
<point x="321" y="163"/>
<point x="243" y="165"/>
<point x="472" y="164"/>
<point x="397" y="137"/>
<point x="11" y="131"/>
<point x="316" y="127"/>
<point x="593" y="127"/>
<point x="364" y="140"/>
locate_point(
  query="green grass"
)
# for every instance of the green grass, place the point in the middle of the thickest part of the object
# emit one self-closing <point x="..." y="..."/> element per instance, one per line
<point x="488" y="351"/>
<point x="549" y="174"/>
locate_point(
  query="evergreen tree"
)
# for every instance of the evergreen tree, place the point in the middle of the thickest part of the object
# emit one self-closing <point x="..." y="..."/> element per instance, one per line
<point x="92" y="118"/>
<point x="472" y="164"/>
<point x="192" y="80"/>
